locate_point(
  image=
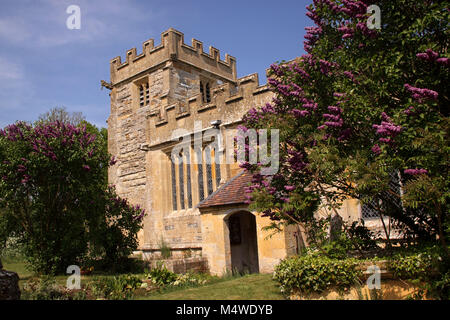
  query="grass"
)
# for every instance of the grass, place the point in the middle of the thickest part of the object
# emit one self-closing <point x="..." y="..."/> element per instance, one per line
<point x="248" y="287"/>
<point x="228" y="287"/>
<point x="18" y="266"/>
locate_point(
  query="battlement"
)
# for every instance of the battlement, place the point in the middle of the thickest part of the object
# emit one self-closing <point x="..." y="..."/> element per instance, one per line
<point x="228" y="103"/>
<point x="172" y="48"/>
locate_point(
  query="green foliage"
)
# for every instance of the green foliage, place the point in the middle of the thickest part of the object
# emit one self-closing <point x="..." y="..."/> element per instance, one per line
<point x="11" y="251"/>
<point x="47" y="288"/>
<point x="114" y="235"/>
<point x="361" y="237"/>
<point x="338" y="249"/>
<point x="315" y="273"/>
<point x="54" y="197"/>
<point x="115" y="288"/>
<point x="440" y="286"/>
<point x="190" y="280"/>
<point x="161" y="276"/>
<point x="416" y="266"/>
<point x="427" y="265"/>
<point x="352" y="240"/>
<point x="350" y="113"/>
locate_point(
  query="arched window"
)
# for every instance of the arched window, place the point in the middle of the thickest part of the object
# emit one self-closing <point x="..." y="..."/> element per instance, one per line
<point x="202" y="91"/>
<point x="144" y="95"/>
<point x="205" y="91"/>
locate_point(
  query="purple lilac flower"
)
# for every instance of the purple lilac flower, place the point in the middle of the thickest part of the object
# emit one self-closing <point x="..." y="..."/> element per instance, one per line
<point x="376" y="149"/>
<point x="414" y="172"/>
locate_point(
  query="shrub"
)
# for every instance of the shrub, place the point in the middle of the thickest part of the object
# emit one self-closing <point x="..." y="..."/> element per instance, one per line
<point x="416" y="266"/>
<point x="426" y="265"/>
<point x="161" y="276"/>
<point x="314" y="273"/>
<point x="189" y="280"/>
<point x="44" y="288"/>
<point x="54" y="198"/>
<point x="115" y="288"/>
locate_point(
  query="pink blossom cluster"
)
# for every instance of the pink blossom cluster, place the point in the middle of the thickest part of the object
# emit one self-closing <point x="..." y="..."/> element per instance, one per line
<point x="112" y="161"/>
<point x="387" y="129"/>
<point x="352" y="8"/>
<point x="432" y="56"/>
<point x="140" y="210"/>
<point x="277" y="69"/>
<point x="325" y="66"/>
<point x="409" y="111"/>
<point x="347" y="31"/>
<point x="421" y="94"/>
<point x="300" y="113"/>
<point x="41" y="139"/>
<point x="296" y="160"/>
<point x="258" y="182"/>
<point x="268" y="108"/>
<point x="414" y="172"/>
<point x="15" y="131"/>
<point x="311" y="13"/>
<point x="335" y="119"/>
<point x="253" y="115"/>
<point x="294" y="67"/>
<point x="345" y="134"/>
<point x="312" y="36"/>
<point x="376" y="149"/>
<point x="350" y="75"/>
<point x="362" y="26"/>
<point x="309" y="104"/>
<point x="309" y="59"/>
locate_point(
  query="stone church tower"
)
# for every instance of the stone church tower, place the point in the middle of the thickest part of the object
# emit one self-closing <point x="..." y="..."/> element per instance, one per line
<point x="194" y="208"/>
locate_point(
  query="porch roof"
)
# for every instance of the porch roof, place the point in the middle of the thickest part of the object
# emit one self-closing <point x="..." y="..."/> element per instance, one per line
<point x="232" y="192"/>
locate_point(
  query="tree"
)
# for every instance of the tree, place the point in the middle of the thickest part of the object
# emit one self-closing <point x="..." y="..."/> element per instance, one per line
<point x="360" y="106"/>
<point x="54" y="195"/>
<point x="62" y="115"/>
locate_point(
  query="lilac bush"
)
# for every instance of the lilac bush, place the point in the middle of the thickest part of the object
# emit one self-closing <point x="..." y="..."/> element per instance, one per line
<point x="54" y="195"/>
<point x="359" y="105"/>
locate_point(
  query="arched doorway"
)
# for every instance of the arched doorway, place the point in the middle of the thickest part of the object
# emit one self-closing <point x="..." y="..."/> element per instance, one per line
<point x="243" y="242"/>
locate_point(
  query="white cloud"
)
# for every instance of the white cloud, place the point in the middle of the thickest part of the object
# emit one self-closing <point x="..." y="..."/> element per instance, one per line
<point x="44" y="25"/>
<point x="10" y="72"/>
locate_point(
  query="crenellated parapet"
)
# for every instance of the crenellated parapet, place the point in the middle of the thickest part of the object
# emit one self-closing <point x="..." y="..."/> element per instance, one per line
<point x="172" y="48"/>
<point x="228" y="103"/>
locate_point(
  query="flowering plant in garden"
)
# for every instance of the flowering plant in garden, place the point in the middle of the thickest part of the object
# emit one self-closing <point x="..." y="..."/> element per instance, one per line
<point x="360" y="105"/>
<point x="54" y="195"/>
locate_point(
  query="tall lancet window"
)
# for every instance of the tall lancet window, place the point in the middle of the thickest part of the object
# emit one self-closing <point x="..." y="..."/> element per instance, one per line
<point x="205" y="91"/>
<point x="201" y="187"/>
<point x="181" y="180"/>
<point x="174" y="186"/>
<point x="188" y="177"/>
<point x="208" y="171"/>
<point x="144" y="94"/>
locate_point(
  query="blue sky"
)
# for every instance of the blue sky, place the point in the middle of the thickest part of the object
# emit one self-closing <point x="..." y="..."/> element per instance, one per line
<point x="43" y="64"/>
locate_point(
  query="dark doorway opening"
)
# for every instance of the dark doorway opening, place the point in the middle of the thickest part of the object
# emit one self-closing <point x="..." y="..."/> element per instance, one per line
<point x="243" y="243"/>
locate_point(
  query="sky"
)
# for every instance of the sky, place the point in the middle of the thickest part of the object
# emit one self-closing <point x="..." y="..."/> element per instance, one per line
<point x="44" y="64"/>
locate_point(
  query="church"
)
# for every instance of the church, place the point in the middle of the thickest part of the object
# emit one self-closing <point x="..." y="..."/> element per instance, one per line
<point x="195" y="208"/>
